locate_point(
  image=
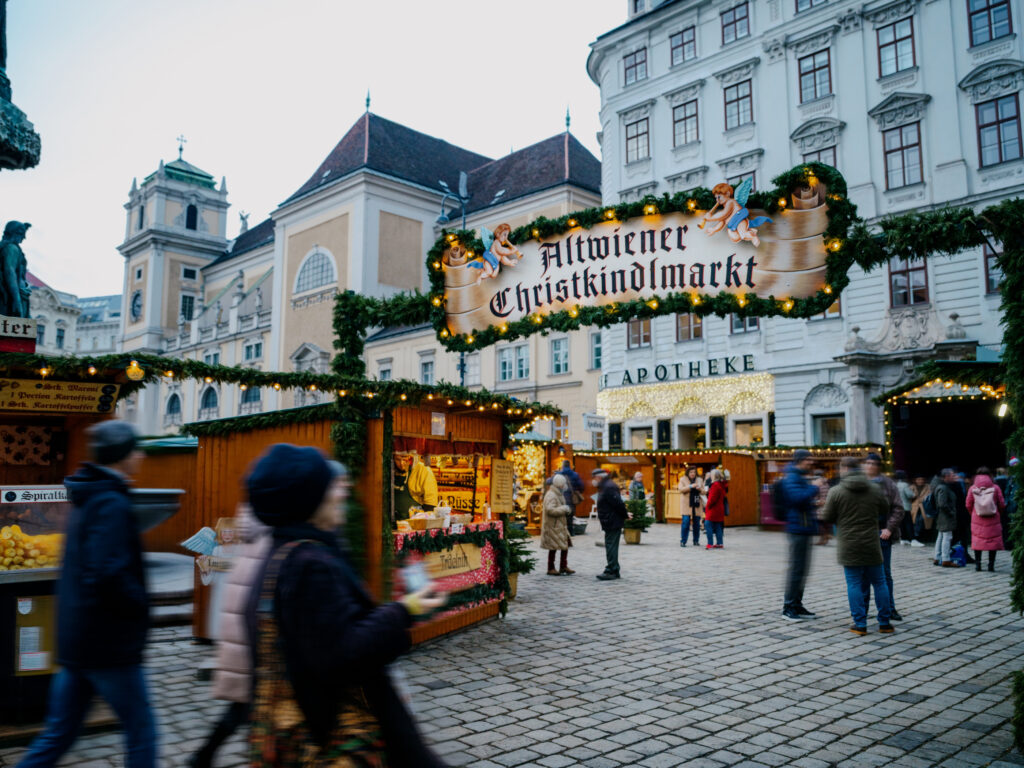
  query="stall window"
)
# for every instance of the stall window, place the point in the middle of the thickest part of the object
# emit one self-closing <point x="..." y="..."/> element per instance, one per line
<point x="638" y="333"/>
<point x="641" y="439"/>
<point x="427" y="372"/>
<point x="908" y="282"/>
<point x="829" y="429"/>
<point x="993" y="272"/>
<point x="559" y="356"/>
<point x="560" y="429"/>
<point x="683" y="45"/>
<point x="748" y="432"/>
<point x="472" y="363"/>
<point x="689" y="326"/>
<point x="595" y="351"/>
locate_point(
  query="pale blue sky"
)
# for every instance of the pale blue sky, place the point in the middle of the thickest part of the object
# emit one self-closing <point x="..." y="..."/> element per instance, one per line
<point x="263" y="89"/>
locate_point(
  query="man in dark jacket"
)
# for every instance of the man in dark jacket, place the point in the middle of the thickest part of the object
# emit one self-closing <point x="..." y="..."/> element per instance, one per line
<point x="944" y="497"/>
<point x="611" y="511"/>
<point x="889" y="524"/>
<point x="799" y="497"/>
<point x="102" y="608"/>
<point x="855" y="505"/>
<point x="575" y="486"/>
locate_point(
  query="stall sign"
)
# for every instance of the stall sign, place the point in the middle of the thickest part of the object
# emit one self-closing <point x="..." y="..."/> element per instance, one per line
<point x="501" y="487"/>
<point x="461" y="558"/>
<point x="593" y="423"/>
<point x="31" y="494"/>
<point x="17" y="334"/>
<point x="34" y="635"/>
<point x="462" y="502"/>
<point x="57" y="396"/>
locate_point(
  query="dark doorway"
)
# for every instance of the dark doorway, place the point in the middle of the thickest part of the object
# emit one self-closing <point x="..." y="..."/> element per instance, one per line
<point x="928" y="435"/>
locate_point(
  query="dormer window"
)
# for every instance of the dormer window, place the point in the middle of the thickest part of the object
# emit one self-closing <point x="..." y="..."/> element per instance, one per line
<point x="191" y="217"/>
<point x="142" y="217"/>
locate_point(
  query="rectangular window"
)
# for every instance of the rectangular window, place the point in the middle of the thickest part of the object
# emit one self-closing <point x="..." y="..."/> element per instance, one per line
<point x="748" y="433"/>
<point x="835" y="309"/>
<point x="735" y="23"/>
<point x="188" y="306"/>
<point x="560" y="429"/>
<point x="739" y="105"/>
<point x="735" y="181"/>
<point x="60" y="338"/>
<point x="806" y="5"/>
<point x="829" y="429"/>
<point x="522" y="362"/>
<point x="902" y="156"/>
<point x="426" y="372"/>
<point x="993" y="272"/>
<point x="384" y="373"/>
<point x="637" y="145"/>
<point x="815" y="76"/>
<point x="989" y="20"/>
<point x="212" y="358"/>
<point x="40" y="334"/>
<point x="638" y="333"/>
<point x="826" y="155"/>
<point x="638" y="6"/>
<point x="683" y="45"/>
<point x="597" y="441"/>
<point x="559" y="356"/>
<point x="744" y="324"/>
<point x="908" y="283"/>
<point x="138" y="274"/>
<point x="189" y="273"/>
<point x="253" y="351"/>
<point x="472" y="363"/>
<point x="641" y="439"/>
<point x="595" y="351"/>
<point x="896" y="47"/>
<point x="684" y="124"/>
<point x="635" y="66"/>
<point x="514" y="363"/>
<point x="998" y="130"/>
<point x="689" y="326"/>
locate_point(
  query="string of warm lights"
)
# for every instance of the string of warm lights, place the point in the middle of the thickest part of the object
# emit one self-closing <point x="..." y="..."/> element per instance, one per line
<point x="744" y="393"/>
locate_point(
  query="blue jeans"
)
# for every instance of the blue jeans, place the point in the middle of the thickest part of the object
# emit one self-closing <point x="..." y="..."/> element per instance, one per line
<point x="690" y="521"/>
<point x="72" y="690"/>
<point x="887" y="568"/>
<point x="714" y="531"/>
<point x="859" y="580"/>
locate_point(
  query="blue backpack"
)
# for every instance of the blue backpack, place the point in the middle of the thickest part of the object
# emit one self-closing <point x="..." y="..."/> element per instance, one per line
<point x="958" y="555"/>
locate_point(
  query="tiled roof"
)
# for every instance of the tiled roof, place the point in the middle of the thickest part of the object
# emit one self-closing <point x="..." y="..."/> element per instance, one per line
<point x="34" y="281"/>
<point x="99" y="309"/>
<point x="249" y="240"/>
<point x="560" y="159"/>
<point x="397" y="330"/>
<point x="393" y="149"/>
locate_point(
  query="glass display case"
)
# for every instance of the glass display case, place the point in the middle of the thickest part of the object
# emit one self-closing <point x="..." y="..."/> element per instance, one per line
<point x="32" y="520"/>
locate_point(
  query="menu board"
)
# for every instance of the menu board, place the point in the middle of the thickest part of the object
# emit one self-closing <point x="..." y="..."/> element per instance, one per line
<point x="501" y="487"/>
<point x="57" y="396"/>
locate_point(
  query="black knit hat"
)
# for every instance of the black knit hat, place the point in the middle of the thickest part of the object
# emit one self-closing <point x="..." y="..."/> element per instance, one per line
<point x="288" y="483"/>
<point x="111" y="441"/>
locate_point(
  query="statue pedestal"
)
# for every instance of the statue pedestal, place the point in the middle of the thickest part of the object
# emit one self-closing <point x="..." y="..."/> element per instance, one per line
<point x="17" y="334"/>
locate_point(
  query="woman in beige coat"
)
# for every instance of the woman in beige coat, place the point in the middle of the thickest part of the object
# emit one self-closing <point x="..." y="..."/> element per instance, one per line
<point x="694" y="498"/>
<point x="554" y="527"/>
<point x="232" y="678"/>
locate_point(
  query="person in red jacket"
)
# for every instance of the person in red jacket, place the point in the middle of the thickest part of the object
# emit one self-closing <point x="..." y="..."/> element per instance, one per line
<point x="714" y="513"/>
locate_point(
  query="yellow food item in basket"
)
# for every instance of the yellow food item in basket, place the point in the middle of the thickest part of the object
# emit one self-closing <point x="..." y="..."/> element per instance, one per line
<point x="19" y="550"/>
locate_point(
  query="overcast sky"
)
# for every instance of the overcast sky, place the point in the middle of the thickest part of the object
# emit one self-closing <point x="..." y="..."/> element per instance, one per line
<point x="263" y="89"/>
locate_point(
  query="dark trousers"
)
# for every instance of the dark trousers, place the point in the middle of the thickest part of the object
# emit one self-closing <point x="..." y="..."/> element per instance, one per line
<point x="799" y="564"/>
<point x="564" y="558"/>
<point x="907" y="530"/>
<point x="237" y="714"/>
<point x="71" y="692"/>
<point x="611" y="551"/>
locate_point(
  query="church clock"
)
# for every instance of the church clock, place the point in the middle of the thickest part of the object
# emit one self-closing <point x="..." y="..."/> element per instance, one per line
<point x="136" y="306"/>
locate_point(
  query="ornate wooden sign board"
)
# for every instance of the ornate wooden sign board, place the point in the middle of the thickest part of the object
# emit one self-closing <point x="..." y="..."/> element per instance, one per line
<point x="57" y="396"/>
<point x="753" y="253"/>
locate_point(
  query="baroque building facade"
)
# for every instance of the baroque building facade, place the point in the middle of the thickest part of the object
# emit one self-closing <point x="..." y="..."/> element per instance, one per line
<point x="916" y="102"/>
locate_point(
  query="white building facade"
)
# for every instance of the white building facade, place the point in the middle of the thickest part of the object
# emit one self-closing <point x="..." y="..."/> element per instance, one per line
<point x="915" y="102"/>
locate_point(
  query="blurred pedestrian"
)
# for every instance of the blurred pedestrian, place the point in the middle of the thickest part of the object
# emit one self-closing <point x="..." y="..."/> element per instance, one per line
<point x="714" y="513"/>
<point x="554" y="527"/>
<point x="1002" y="480"/>
<point x="944" y="502"/>
<point x="889" y="524"/>
<point x="694" y="495"/>
<point x="322" y="693"/>
<point x="986" y="504"/>
<point x="232" y="677"/>
<point x="855" y="506"/>
<point x="611" y="511"/>
<point x="922" y="523"/>
<point x="573" y="491"/>
<point x="798" y="496"/>
<point x="102" y="607"/>
<point x="637" y="492"/>
<point x="962" y="532"/>
<point x="905" y="489"/>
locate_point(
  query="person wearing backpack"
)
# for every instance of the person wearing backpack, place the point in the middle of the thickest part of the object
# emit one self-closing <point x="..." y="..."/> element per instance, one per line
<point x="985" y="503"/>
<point x="943" y="500"/>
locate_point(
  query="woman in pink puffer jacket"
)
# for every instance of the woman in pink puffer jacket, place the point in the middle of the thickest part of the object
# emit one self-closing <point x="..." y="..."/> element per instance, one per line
<point x="232" y="678"/>
<point x="986" y="530"/>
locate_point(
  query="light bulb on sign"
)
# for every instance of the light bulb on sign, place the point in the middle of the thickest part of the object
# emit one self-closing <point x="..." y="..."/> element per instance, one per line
<point x="134" y="371"/>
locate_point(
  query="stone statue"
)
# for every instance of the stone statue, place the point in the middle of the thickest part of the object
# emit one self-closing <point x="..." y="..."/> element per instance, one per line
<point x="14" y="288"/>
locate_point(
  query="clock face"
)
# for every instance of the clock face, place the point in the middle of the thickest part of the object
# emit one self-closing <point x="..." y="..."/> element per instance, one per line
<point x="136" y="308"/>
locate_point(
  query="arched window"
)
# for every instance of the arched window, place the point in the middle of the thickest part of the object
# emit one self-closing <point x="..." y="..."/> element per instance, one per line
<point x="251" y="395"/>
<point x="191" y="217"/>
<point x="173" y="405"/>
<point x="316" y="271"/>
<point x="142" y="216"/>
<point x="209" y="399"/>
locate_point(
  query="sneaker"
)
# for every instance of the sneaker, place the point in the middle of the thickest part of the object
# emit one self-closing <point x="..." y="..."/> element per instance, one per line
<point x="895" y="615"/>
<point x="607" y="576"/>
<point x="790" y="615"/>
<point x="886" y="629"/>
<point x="710" y="546"/>
<point x="682" y="544"/>
<point x="916" y="543"/>
<point x="861" y="630"/>
<point x="803" y="613"/>
<point x="552" y="572"/>
<point x="905" y="543"/>
<point x="719" y="546"/>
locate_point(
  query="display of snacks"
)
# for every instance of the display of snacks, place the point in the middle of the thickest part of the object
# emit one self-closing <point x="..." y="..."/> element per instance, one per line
<point x="31" y="521"/>
<point x="21" y="551"/>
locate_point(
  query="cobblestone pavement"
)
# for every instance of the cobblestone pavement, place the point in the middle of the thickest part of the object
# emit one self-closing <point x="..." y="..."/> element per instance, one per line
<point x="686" y="662"/>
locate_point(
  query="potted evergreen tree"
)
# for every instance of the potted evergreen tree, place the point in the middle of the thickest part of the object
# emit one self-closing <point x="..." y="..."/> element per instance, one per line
<point x="520" y="558"/>
<point x="638" y="520"/>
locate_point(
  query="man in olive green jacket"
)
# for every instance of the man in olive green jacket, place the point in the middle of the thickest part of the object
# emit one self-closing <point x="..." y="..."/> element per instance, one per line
<point x="855" y="506"/>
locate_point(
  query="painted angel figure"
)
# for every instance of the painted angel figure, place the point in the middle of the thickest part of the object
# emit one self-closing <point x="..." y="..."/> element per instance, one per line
<point x="734" y="216"/>
<point x="497" y="251"/>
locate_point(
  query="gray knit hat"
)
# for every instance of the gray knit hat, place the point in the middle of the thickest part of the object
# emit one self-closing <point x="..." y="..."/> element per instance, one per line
<point x="111" y="441"/>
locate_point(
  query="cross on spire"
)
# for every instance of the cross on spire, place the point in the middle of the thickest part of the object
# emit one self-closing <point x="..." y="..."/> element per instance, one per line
<point x="182" y="141"/>
<point x="367" y="99"/>
<point x="567" y="119"/>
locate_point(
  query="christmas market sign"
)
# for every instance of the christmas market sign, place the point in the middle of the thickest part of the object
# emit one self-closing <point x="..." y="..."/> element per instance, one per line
<point x="461" y="558"/>
<point x="730" y="248"/>
<point x="57" y="396"/>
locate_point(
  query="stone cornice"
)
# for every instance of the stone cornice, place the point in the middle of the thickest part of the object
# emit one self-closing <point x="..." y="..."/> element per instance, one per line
<point x="888" y="13"/>
<point x="815" y="41"/>
<point x="737" y="72"/>
<point x="994" y="79"/>
<point x="687" y="93"/>
<point x="899" y="109"/>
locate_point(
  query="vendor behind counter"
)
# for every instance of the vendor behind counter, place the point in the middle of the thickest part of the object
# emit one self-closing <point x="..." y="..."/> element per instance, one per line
<point x="414" y="485"/>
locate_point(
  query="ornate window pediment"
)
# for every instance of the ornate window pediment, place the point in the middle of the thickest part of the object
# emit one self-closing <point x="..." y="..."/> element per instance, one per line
<point x="815" y="41"/>
<point x="684" y="94"/>
<point x="687" y="180"/>
<point x="774" y="48"/>
<point x="826" y="396"/>
<point x="890" y="12"/>
<point x="744" y="162"/>
<point x="899" y="109"/>
<point x="738" y="72"/>
<point x="817" y="133"/>
<point x="637" y="112"/>
<point x="993" y="79"/>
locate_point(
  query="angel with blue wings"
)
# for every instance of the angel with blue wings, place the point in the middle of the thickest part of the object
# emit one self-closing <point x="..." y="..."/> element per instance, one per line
<point x="497" y="251"/>
<point x="734" y="216"/>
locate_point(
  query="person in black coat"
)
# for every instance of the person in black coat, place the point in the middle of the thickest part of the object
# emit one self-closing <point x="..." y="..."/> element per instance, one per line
<point x="102" y="608"/>
<point x="334" y="637"/>
<point x="611" y="511"/>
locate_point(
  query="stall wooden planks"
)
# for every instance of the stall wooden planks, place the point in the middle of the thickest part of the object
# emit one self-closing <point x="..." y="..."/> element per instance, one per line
<point x="171" y="470"/>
